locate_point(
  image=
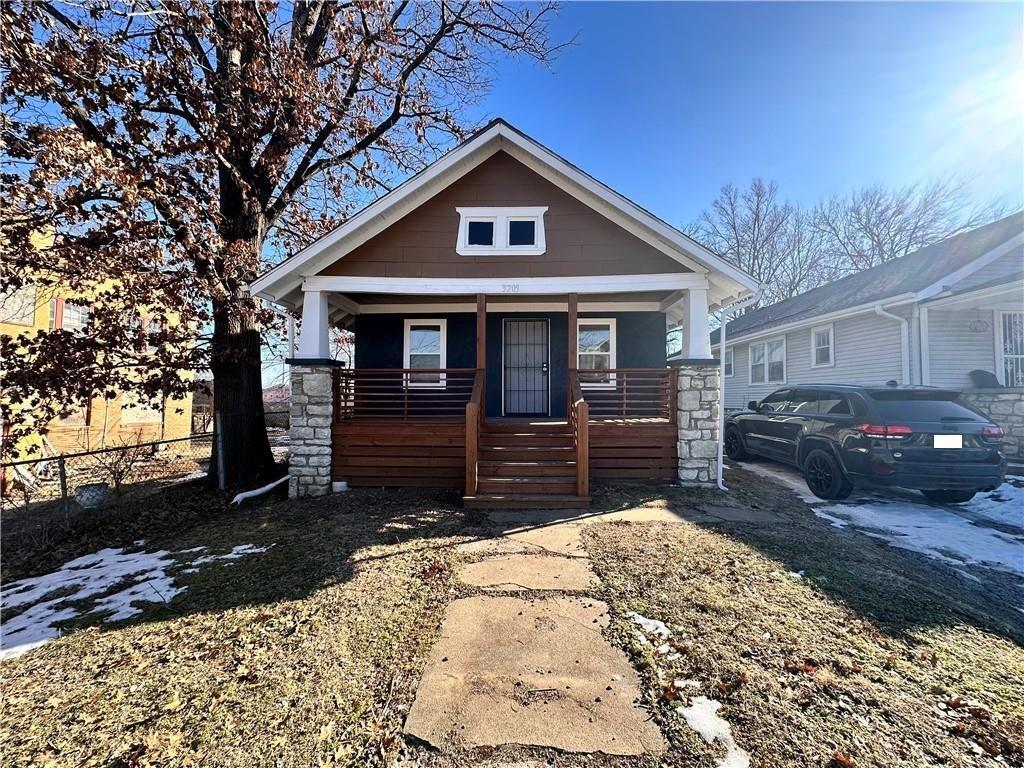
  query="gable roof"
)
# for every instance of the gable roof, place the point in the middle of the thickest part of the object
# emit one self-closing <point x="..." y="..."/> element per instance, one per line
<point x="282" y="283"/>
<point x="918" y="275"/>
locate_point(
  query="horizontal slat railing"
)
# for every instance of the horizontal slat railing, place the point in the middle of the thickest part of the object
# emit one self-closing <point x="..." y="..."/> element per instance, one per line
<point x="402" y="393"/>
<point x="630" y="393"/>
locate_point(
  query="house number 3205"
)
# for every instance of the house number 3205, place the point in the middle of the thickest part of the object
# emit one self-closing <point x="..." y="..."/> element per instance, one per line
<point x="510" y="287"/>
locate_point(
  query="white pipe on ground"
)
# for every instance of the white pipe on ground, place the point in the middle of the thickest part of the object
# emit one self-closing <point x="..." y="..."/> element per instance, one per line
<point x="259" y="491"/>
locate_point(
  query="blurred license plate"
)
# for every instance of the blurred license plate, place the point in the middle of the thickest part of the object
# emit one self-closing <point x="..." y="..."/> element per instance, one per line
<point x="949" y="441"/>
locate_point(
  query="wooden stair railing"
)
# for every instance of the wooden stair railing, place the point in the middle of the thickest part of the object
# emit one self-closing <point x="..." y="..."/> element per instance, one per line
<point x="579" y="424"/>
<point x="474" y="417"/>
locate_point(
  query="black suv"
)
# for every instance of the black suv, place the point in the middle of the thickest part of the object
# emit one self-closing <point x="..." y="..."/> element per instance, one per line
<point x="841" y="436"/>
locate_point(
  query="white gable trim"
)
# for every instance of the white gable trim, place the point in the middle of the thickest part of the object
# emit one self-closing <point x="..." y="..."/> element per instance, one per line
<point x="288" y="275"/>
<point x="967" y="270"/>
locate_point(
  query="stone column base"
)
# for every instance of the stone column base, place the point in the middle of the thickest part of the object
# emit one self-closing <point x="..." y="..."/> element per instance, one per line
<point x="309" y="460"/>
<point x="697" y="415"/>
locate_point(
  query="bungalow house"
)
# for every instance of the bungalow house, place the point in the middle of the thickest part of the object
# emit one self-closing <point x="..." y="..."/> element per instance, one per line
<point x="510" y="316"/>
<point x="950" y="315"/>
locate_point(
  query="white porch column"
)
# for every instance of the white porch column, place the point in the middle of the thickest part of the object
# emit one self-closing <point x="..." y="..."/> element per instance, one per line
<point x="314" y="337"/>
<point x="698" y="334"/>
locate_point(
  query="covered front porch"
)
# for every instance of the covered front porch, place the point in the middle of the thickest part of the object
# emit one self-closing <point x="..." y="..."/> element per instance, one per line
<point x="521" y="398"/>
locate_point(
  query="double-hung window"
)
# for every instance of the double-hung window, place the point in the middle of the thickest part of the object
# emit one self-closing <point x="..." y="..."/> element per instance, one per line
<point x="501" y="231"/>
<point x="727" y="363"/>
<point x="75" y="317"/>
<point x="424" y="350"/>
<point x="596" y="352"/>
<point x="823" y="347"/>
<point x="768" y="362"/>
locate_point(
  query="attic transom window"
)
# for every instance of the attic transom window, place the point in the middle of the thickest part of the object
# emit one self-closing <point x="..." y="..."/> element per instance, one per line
<point x="501" y="231"/>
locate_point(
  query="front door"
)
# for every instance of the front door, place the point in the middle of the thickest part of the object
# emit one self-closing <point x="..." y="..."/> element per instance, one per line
<point x="525" y="368"/>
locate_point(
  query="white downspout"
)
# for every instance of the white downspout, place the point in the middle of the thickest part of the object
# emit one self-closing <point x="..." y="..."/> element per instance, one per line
<point x="904" y="340"/>
<point x="719" y="480"/>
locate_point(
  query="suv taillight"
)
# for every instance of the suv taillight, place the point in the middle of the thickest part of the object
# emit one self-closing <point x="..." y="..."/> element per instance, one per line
<point x="890" y="431"/>
<point x="992" y="433"/>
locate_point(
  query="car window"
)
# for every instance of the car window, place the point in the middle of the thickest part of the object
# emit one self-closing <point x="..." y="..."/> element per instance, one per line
<point x="917" y="405"/>
<point x="803" y="401"/>
<point x="776" y="401"/>
<point x="834" y="404"/>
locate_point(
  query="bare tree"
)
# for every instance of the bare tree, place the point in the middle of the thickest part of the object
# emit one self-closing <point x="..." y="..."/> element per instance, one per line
<point x="875" y="224"/>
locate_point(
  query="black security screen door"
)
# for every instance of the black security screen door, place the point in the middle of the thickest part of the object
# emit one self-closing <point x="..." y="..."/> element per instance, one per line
<point x="526" y="367"/>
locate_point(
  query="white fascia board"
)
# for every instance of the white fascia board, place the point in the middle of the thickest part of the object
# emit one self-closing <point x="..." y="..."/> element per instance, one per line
<point x="537" y="286"/>
<point x="775" y="330"/>
<point x="967" y="270"/>
<point x="1009" y="288"/>
<point x="283" y="278"/>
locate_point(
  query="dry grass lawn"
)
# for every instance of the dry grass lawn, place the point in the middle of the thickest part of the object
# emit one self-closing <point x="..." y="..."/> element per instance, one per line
<point x="309" y="653"/>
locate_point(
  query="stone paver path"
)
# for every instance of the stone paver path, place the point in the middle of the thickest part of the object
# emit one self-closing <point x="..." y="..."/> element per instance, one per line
<point x="534" y="668"/>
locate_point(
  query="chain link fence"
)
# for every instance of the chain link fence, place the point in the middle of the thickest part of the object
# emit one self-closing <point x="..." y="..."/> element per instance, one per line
<point x="42" y="497"/>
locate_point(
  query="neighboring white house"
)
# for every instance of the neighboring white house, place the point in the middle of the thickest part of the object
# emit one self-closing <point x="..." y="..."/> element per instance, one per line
<point x="949" y="315"/>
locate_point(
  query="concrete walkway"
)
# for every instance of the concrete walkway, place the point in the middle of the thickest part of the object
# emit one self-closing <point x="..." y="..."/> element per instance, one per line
<point x="530" y="666"/>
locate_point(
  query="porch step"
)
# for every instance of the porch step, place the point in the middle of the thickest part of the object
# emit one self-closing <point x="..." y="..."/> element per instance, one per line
<point x="525" y="501"/>
<point x="525" y="440"/>
<point x="527" y="485"/>
<point x="490" y="469"/>
<point x="492" y="453"/>
<point x="505" y="427"/>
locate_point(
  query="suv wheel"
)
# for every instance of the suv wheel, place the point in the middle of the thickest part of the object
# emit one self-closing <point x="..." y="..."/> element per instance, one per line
<point x="734" y="445"/>
<point x="948" y="497"/>
<point x="825" y="477"/>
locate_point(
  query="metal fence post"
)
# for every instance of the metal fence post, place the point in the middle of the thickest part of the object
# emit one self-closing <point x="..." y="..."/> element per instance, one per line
<point x="218" y="447"/>
<point x="65" y="504"/>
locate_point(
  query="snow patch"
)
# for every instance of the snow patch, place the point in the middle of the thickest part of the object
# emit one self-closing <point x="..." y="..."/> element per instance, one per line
<point x="702" y="715"/>
<point x="652" y="626"/>
<point x="958" y="534"/>
<point x="114" y="580"/>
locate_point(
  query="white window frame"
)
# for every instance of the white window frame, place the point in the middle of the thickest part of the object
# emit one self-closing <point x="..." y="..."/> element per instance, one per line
<point x="750" y="362"/>
<point x="22" y="299"/>
<point x="1001" y="345"/>
<point x="729" y="364"/>
<point x="501" y="218"/>
<point x="612" y="344"/>
<point x="442" y="382"/>
<point x="831" y="346"/>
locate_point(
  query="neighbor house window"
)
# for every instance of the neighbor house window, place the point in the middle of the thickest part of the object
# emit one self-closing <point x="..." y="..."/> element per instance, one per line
<point x="768" y="362"/>
<point x="74" y="317"/>
<point x="18" y="306"/>
<point x="1011" y="348"/>
<point x="727" y="363"/>
<point x="596" y="340"/>
<point x="501" y="231"/>
<point x="822" y="347"/>
<point x="425" y="342"/>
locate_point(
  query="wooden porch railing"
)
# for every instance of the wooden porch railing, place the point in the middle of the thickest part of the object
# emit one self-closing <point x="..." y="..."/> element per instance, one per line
<point x="630" y="393"/>
<point x="402" y="393"/>
<point x="474" y="420"/>
<point x="579" y="424"/>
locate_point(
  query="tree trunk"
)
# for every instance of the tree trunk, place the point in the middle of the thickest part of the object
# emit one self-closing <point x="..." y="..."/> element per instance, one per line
<point x="238" y="397"/>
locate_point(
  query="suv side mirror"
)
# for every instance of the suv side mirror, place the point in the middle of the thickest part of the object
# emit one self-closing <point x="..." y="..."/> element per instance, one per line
<point x="753" y="405"/>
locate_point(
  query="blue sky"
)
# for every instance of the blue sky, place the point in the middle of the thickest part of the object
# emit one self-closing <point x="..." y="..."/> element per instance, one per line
<point x="666" y="102"/>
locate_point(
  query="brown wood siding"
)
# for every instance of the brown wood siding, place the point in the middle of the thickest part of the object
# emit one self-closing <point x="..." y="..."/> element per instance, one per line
<point x="400" y="453"/>
<point x="632" y="451"/>
<point x="580" y="241"/>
